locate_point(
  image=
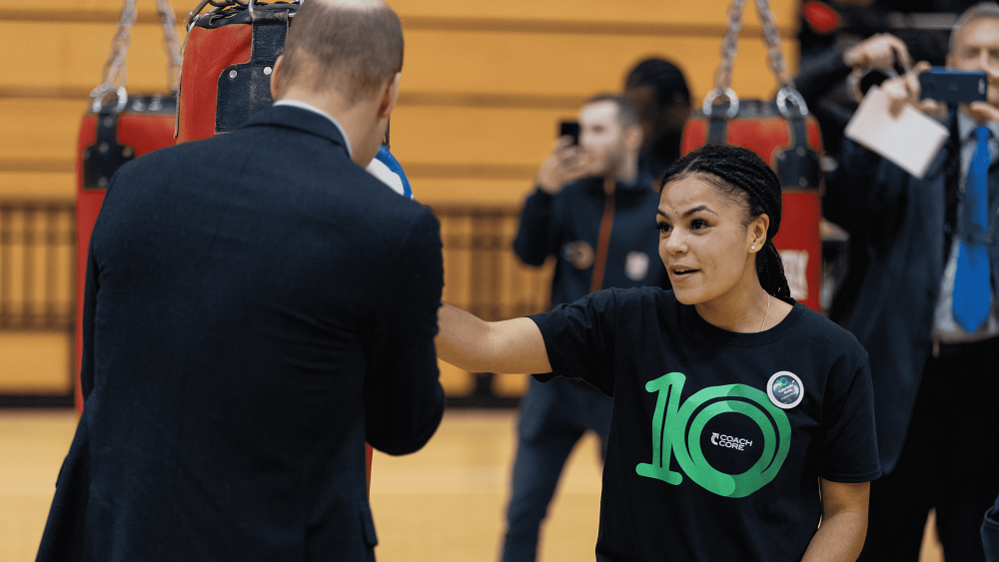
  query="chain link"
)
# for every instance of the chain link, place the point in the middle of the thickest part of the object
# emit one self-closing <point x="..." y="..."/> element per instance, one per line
<point x="115" y="69"/>
<point x="171" y="44"/>
<point x="115" y="73"/>
<point x="730" y="46"/>
<point x="775" y="56"/>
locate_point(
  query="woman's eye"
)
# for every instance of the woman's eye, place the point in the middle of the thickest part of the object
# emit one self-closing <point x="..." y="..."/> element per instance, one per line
<point x="663" y="227"/>
<point x="698" y="224"/>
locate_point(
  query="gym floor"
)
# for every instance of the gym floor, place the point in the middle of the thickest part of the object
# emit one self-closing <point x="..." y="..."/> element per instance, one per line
<point x="443" y="503"/>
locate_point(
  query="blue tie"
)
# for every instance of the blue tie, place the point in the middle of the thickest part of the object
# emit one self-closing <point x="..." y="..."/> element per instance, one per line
<point x="972" y="292"/>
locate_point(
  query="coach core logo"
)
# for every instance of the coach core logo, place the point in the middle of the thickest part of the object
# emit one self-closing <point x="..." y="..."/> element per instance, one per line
<point x="677" y="431"/>
<point x="722" y="440"/>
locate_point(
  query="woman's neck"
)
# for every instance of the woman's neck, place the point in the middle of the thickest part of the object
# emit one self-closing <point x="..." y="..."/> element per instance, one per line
<point x="749" y="311"/>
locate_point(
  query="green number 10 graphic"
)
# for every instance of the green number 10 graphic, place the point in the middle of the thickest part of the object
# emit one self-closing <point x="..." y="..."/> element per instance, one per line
<point x="674" y="433"/>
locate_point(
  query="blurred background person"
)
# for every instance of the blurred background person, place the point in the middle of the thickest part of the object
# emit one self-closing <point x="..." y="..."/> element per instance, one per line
<point x="593" y="210"/>
<point x="925" y="309"/>
<point x="660" y="93"/>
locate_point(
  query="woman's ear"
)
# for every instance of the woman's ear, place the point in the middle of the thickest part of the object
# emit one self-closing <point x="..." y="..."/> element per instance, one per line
<point x="757" y="232"/>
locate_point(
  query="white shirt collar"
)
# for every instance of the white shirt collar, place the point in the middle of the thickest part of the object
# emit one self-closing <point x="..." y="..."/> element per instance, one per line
<point x="307" y="107"/>
<point x="965" y="126"/>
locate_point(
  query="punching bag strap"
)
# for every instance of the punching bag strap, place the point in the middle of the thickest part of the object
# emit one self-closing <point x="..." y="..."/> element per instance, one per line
<point x="244" y="89"/>
<point x="797" y="166"/>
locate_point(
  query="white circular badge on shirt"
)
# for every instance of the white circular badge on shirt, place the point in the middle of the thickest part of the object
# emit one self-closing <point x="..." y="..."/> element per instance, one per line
<point x="785" y="390"/>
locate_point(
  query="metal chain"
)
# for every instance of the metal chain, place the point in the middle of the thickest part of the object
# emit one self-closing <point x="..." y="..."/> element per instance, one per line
<point x="775" y="57"/>
<point x="730" y="46"/>
<point x="171" y="44"/>
<point x="115" y="73"/>
<point x="115" y="69"/>
<point x="775" y="60"/>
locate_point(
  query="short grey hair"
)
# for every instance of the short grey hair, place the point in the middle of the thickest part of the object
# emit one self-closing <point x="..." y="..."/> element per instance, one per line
<point x="976" y="12"/>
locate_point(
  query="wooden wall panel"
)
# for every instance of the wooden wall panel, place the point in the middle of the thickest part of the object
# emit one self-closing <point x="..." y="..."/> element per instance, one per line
<point x="37" y="135"/>
<point x="66" y="59"/>
<point x="37" y="185"/>
<point x="535" y="65"/>
<point x="704" y="12"/>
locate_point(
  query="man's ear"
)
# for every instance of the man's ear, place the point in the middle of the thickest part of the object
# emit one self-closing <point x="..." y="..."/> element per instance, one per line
<point x="633" y="137"/>
<point x="389" y="96"/>
<point x="275" y="77"/>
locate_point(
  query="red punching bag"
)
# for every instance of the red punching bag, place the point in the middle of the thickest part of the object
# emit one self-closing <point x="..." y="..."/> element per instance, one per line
<point x="228" y="57"/>
<point x="784" y="135"/>
<point x="116" y="128"/>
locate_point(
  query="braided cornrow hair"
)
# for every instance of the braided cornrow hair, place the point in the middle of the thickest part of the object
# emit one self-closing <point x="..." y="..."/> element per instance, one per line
<point x="742" y="174"/>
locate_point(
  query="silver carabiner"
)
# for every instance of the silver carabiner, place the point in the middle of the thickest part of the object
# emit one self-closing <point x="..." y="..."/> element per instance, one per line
<point x="98" y="94"/>
<point x="787" y="94"/>
<point x="733" y="100"/>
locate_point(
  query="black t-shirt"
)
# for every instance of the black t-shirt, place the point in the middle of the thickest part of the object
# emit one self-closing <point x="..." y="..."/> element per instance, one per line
<point x="717" y="438"/>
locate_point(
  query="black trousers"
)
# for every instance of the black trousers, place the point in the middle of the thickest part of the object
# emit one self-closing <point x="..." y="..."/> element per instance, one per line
<point x="949" y="461"/>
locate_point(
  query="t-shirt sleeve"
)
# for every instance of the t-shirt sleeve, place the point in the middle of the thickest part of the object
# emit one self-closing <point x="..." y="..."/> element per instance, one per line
<point x="579" y="338"/>
<point x="847" y="449"/>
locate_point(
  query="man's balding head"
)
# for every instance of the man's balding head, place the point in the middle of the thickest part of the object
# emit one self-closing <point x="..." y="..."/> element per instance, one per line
<point x="354" y="46"/>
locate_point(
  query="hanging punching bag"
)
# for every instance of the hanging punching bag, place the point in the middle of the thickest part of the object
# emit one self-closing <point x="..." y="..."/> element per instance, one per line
<point x="116" y="128"/>
<point x="228" y="57"/>
<point x="784" y="135"/>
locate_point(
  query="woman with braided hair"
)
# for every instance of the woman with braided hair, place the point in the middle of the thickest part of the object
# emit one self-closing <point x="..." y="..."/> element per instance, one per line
<point x="741" y="419"/>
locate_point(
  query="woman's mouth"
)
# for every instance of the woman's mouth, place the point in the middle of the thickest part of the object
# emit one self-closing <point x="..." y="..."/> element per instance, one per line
<point x="682" y="271"/>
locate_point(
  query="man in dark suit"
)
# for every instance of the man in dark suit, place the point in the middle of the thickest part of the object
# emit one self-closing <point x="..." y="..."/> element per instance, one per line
<point x="925" y="306"/>
<point x="257" y="307"/>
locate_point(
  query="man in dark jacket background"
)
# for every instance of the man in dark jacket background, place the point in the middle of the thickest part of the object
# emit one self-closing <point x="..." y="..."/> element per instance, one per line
<point x="932" y="354"/>
<point x="594" y="211"/>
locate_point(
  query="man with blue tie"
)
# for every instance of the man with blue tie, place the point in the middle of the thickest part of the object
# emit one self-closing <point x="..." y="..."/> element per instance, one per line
<point x="257" y="307"/>
<point x="924" y="306"/>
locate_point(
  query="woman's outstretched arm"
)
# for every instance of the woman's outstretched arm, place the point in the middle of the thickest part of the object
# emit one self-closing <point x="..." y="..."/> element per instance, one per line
<point x="507" y="346"/>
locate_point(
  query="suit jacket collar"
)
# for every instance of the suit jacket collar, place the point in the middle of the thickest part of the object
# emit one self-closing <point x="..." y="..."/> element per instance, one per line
<point x="300" y="119"/>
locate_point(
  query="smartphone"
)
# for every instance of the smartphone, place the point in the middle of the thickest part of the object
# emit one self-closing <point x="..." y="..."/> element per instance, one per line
<point x="953" y="86"/>
<point x="569" y="128"/>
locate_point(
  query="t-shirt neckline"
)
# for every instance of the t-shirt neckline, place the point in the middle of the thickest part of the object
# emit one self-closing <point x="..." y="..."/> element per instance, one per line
<point x="702" y="326"/>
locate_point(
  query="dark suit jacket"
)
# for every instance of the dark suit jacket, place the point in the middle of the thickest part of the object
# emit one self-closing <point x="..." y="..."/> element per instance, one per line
<point x="257" y="307"/>
<point x="898" y="222"/>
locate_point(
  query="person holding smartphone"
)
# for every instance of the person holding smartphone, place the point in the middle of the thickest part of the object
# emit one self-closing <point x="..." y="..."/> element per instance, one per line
<point x="590" y="211"/>
<point x="925" y="305"/>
